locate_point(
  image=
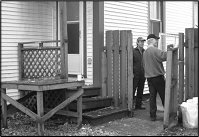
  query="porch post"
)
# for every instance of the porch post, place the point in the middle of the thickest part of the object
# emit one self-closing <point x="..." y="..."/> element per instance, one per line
<point x="63" y="39"/>
<point x="98" y="40"/>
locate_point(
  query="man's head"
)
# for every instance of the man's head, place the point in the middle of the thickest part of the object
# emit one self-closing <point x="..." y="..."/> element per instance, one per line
<point x="140" y="42"/>
<point x="152" y="39"/>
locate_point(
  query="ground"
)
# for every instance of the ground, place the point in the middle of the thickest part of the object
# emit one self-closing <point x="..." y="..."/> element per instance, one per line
<point x="20" y="124"/>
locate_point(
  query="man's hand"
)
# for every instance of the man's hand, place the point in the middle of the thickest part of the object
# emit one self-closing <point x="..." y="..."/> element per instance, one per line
<point x="171" y="48"/>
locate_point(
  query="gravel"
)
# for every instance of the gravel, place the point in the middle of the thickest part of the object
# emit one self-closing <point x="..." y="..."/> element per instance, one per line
<point x="20" y="124"/>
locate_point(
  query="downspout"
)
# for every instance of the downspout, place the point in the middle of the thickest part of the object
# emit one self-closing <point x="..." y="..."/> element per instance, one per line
<point x="163" y="15"/>
<point x="57" y="23"/>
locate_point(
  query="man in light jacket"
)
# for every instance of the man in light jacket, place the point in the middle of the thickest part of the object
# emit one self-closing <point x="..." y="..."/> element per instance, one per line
<point x="154" y="72"/>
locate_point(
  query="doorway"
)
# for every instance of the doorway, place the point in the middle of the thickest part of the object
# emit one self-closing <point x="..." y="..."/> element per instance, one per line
<point x="75" y="37"/>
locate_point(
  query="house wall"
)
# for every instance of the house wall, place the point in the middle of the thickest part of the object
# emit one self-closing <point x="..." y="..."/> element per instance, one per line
<point x="127" y="15"/>
<point x="22" y="22"/>
<point x="179" y="15"/>
<point x="33" y="21"/>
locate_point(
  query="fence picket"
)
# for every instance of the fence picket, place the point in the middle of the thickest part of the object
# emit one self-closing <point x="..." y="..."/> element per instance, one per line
<point x="190" y="34"/>
<point x="123" y="67"/>
<point x="104" y="75"/>
<point x="186" y="65"/>
<point x="168" y="88"/>
<point x="196" y="61"/>
<point x="174" y="83"/>
<point x="130" y="72"/>
<point x="116" y="67"/>
<point x="181" y="68"/>
<point x="109" y="45"/>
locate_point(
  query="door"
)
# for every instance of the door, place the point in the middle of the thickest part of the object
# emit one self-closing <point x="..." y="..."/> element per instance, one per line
<point x="75" y="38"/>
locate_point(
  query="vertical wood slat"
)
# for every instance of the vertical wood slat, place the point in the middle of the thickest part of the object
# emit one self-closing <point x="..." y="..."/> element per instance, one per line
<point x="190" y="34"/>
<point x="116" y="67"/>
<point x="104" y="75"/>
<point x="130" y="71"/>
<point x="186" y="65"/>
<point x="57" y="35"/>
<point x="4" y="110"/>
<point x="196" y="61"/>
<point x="174" y="87"/>
<point x="79" y="110"/>
<point x="181" y="68"/>
<point x="109" y="45"/>
<point x="123" y="67"/>
<point x="64" y="40"/>
<point x="20" y="61"/>
<point x="168" y="88"/>
<point x="40" y="112"/>
<point x="181" y="92"/>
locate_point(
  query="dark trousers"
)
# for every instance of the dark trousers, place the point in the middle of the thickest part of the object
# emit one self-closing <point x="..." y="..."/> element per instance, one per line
<point x="156" y="85"/>
<point x="138" y="84"/>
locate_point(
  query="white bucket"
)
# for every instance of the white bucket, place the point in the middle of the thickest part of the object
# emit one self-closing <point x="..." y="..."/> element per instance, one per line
<point x="80" y="77"/>
<point x="190" y="113"/>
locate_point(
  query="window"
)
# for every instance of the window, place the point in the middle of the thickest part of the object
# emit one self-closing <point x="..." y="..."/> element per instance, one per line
<point x="154" y="10"/>
<point x="155" y="26"/>
<point x="73" y="27"/>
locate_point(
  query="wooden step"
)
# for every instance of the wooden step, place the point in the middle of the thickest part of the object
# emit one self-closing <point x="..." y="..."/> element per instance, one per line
<point x="92" y="103"/>
<point x="104" y="115"/>
<point x="89" y="91"/>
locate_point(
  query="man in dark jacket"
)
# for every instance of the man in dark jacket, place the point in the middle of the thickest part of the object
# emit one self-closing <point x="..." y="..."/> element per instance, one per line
<point x="138" y="72"/>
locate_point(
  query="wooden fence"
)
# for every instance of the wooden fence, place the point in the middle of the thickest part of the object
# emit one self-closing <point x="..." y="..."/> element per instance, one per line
<point x="181" y="75"/>
<point x="191" y="62"/>
<point x="117" y="68"/>
<point x="170" y="106"/>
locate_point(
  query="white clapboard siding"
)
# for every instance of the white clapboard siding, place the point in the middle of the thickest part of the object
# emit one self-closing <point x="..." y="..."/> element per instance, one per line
<point x="179" y="15"/>
<point x="127" y="15"/>
<point x="22" y="21"/>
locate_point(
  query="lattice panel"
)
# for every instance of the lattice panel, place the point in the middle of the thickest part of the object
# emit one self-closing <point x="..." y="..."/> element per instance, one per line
<point x="51" y="100"/>
<point x="41" y="63"/>
<point x="31" y="103"/>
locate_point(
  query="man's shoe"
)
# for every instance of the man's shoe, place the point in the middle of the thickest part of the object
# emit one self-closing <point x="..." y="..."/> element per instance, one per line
<point x="141" y="108"/>
<point x="153" y="118"/>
